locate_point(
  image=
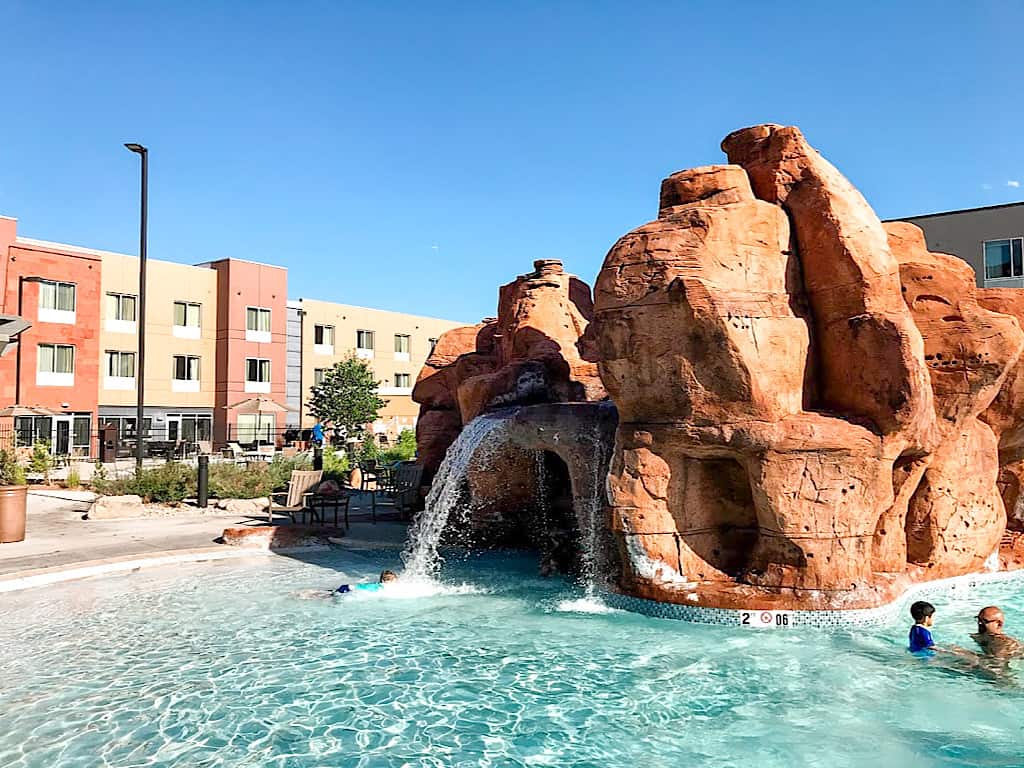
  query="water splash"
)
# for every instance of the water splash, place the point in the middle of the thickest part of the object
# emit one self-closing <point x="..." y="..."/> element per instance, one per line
<point x="421" y="557"/>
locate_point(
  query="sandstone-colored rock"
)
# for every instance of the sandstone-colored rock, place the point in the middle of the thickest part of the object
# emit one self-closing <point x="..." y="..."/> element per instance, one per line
<point x="253" y="507"/>
<point x="814" y="411"/>
<point x="273" y="537"/>
<point x="870" y="352"/>
<point x="113" y="507"/>
<point x="528" y="354"/>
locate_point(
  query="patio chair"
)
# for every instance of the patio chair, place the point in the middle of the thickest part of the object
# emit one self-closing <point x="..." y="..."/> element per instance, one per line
<point x="399" y="487"/>
<point x="234" y="451"/>
<point x="297" y="499"/>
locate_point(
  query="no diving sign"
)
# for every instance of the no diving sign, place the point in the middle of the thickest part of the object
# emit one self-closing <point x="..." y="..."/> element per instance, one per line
<point x="766" y="619"/>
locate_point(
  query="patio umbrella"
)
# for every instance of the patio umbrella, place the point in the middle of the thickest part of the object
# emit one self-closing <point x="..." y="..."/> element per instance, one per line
<point x="25" y="410"/>
<point x="258" y="405"/>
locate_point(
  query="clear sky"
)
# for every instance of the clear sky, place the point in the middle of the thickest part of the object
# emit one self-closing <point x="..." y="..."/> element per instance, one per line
<point x="415" y="155"/>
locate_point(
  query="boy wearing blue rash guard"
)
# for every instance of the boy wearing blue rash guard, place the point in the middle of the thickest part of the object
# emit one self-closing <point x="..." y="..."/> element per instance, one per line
<point x="920" y="633"/>
<point x="385" y="578"/>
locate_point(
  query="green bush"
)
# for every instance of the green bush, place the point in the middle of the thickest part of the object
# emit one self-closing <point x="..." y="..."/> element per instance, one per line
<point x="11" y="472"/>
<point x="404" y="450"/>
<point x="336" y="466"/>
<point x="368" y="449"/>
<point x="169" y="483"/>
<point x="172" y="483"/>
<point x="41" y="461"/>
<point x="74" y="480"/>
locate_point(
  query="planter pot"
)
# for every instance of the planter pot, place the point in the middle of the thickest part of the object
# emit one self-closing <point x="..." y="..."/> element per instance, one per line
<point x="12" y="513"/>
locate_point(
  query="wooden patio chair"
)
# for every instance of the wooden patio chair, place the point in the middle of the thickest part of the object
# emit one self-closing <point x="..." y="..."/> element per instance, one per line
<point x="297" y="499"/>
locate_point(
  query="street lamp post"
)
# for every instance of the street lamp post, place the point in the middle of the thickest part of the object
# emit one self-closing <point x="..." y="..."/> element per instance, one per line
<point x="140" y="372"/>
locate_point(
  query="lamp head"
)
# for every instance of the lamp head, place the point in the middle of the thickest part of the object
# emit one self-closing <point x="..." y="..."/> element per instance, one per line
<point x="136" y="148"/>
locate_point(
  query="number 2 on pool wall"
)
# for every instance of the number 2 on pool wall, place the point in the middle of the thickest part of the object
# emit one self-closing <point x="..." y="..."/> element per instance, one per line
<point x="745" y="618"/>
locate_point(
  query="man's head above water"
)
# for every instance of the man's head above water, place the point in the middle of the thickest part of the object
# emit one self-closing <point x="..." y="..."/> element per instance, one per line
<point x="990" y="621"/>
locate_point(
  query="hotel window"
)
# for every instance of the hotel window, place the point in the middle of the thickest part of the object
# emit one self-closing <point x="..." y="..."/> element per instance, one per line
<point x="121" y="306"/>
<point x="433" y="344"/>
<point x="323" y="334"/>
<point x="318" y="376"/>
<point x="186" y="368"/>
<point x="186" y="314"/>
<point x="364" y="340"/>
<point x="323" y="339"/>
<point x="402" y="380"/>
<point x="121" y="364"/>
<point x="364" y="344"/>
<point x="58" y="296"/>
<point x="257" y="370"/>
<point x="56" y="358"/>
<point x="257" y="319"/>
<point x="402" y="344"/>
<point x="1004" y="258"/>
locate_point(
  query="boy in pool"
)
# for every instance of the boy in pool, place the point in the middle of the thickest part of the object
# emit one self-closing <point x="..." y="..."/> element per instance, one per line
<point x="386" y="577"/>
<point x="920" y="633"/>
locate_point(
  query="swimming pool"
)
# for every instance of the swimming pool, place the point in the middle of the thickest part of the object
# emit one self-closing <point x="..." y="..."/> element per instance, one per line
<point x="219" y="664"/>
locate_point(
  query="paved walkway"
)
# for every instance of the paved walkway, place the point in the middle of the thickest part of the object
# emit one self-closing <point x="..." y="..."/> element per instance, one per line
<point x="56" y="534"/>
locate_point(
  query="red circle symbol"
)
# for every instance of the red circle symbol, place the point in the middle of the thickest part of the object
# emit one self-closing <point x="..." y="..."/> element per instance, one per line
<point x="766" y="618"/>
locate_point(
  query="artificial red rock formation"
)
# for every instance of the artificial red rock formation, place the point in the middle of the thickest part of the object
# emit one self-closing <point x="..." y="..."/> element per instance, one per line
<point x="798" y="389"/>
<point x="814" y="411"/>
<point x="528" y="354"/>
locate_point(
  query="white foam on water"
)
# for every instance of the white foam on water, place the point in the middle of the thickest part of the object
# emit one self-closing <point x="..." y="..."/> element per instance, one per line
<point x="405" y="589"/>
<point x="584" y="605"/>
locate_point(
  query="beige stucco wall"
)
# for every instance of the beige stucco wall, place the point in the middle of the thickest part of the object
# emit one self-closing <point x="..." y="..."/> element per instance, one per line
<point x="401" y="411"/>
<point x="166" y="283"/>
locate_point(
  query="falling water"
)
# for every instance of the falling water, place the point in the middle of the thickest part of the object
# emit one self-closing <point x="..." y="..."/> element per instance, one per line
<point x="421" y="557"/>
<point x="593" y="503"/>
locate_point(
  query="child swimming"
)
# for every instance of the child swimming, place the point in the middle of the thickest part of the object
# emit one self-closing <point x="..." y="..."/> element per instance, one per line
<point x="386" y="577"/>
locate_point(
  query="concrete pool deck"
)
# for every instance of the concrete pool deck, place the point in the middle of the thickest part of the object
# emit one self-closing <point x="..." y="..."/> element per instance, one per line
<point x="58" y="539"/>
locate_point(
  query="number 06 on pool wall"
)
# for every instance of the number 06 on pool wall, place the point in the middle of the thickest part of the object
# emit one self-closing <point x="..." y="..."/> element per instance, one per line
<point x="766" y="619"/>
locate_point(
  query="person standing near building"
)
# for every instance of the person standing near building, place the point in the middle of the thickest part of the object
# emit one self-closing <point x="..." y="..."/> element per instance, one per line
<point x="318" y="434"/>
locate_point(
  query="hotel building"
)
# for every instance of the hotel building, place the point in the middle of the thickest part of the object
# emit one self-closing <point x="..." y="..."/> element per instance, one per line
<point x="217" y="334"/>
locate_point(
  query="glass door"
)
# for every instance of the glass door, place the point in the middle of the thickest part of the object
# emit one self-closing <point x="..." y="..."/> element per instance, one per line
<point x="62" y="439"/>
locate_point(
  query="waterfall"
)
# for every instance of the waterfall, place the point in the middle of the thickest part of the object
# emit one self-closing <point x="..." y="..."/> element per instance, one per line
<point x="592" y="503"/>
<point x="421" y="557"/>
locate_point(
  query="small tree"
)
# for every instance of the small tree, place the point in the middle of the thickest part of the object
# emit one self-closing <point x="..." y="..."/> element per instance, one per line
<point x="347" y="397"/>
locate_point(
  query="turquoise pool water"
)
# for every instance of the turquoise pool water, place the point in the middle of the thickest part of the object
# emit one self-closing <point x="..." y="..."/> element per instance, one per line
<point x="220" y="664"/>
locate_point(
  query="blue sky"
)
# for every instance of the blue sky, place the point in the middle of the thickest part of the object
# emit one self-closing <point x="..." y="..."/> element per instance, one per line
<point x="414" y="156"/>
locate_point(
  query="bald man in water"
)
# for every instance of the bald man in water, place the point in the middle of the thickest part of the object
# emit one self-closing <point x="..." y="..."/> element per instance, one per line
<point x="990" y="636"/>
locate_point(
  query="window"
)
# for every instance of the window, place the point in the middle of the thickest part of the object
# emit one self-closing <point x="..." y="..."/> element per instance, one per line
<point x="121" y="306"/>
<point x="56" y="302"/>
<point x="187" y="319"/>
<point x="402" y="344"/>
<point x="56" y="358"/>
<point x="121" y="364"/>
<point x="186" y="368"/>
<point x="29" y="430"/>
<point x="257" y="319"/>
<point x="1004" y="258"/>
<point x="364" y="344"/>
<point x="323" y="339"/>
<point x="58" y="296"/>
<point x="323" y="334"/>
<point x="433" y="344"/>
<point x="56" y="365"/>
<point x="402" y="380"/>
<point x="257" y="374"/>
<point x="318" y="375"/>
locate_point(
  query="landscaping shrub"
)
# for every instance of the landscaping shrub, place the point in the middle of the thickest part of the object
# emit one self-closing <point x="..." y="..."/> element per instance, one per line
<point x="404" y="450"/>
<point x="41" y="460"/>
<point x="74" y="480"/>
<point x="172" y="483"/>
<point x="11" y="472"/>
<point x="336" y="466"/>
<point x="169" y="483"/>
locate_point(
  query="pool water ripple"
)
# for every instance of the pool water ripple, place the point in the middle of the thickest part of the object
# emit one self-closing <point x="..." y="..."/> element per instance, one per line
<point x="221" y="665"/>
